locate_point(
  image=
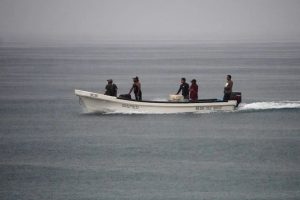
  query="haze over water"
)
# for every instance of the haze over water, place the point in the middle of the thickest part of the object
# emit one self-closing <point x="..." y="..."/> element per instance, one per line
<point x="50" y="148"/>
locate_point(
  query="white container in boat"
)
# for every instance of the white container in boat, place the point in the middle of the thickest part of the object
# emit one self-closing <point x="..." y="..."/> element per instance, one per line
<point x="175" y="97"/>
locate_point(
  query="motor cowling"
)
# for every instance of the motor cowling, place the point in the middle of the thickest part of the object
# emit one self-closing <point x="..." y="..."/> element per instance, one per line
<point x="236" y="96"/>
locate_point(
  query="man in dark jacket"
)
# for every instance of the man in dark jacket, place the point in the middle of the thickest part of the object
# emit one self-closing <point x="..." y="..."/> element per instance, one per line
<point x="111" y="88"/>
<point x="184" y="87"/>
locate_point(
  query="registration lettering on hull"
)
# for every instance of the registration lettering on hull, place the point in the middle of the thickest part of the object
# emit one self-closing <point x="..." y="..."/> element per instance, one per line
<point x="124" y="105"/>
<point x="208" y="107"/>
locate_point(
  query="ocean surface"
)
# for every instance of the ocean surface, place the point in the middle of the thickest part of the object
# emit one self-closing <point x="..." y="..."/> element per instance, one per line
<point x="50" y="148"/>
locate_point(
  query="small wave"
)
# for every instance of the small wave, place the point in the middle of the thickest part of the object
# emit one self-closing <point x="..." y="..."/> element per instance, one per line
<point x="270" y="105"/>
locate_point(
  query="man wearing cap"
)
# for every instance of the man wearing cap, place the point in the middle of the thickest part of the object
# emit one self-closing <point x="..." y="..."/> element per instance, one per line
<point x="111" y="88"/>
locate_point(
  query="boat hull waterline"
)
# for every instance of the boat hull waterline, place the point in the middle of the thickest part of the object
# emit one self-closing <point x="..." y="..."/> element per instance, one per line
<point x="100" y="103"/>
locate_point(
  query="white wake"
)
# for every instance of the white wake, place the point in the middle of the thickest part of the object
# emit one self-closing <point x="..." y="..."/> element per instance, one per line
<point x="270" y="105"/>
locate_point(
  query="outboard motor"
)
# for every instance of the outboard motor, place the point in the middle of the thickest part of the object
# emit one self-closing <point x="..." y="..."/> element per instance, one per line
<point x="236" y="96"/>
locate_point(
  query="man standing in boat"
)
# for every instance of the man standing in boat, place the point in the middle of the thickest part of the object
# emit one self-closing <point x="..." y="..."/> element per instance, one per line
<point x="228" y="88"/>
<point x="194" y="90"/>
<point x="184" y="87"/>
<point x="111" y="88"/>
<point x="136" y="87"/>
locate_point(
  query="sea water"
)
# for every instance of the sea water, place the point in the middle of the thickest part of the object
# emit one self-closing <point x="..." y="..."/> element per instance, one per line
<point x="50" y="148"/>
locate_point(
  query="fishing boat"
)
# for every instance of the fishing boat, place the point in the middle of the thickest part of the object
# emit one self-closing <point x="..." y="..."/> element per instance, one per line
<point x="100" y="103"/>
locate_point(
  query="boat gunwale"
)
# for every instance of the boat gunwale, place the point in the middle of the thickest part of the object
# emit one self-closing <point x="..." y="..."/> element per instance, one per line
<point x="181" y="102"/>
<point x="93" y="95"/>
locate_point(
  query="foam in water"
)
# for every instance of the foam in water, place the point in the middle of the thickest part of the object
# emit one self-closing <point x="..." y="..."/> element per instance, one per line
<point x="270" y="105"/>
<point x="242" y="107"/>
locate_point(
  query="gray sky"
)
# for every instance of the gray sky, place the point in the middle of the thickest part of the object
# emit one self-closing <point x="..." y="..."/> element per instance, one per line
<point x="151" y="19"/>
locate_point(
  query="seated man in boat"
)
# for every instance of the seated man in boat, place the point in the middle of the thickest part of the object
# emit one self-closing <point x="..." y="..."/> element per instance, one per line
<point x="184" y="87"/>
<point x="194" y="90"/>
<point x="228" y="88"/>
<point x="136" y="87"/>
<point x="111" y="88"/>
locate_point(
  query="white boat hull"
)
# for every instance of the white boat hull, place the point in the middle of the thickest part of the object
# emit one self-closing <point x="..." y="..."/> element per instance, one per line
<point x="95" y="102"/>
